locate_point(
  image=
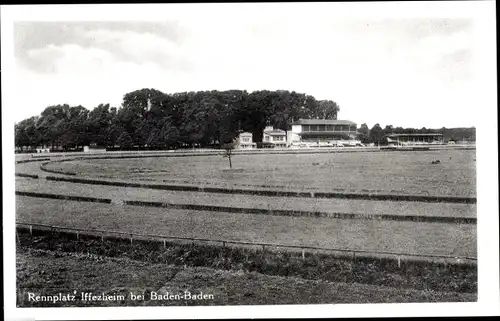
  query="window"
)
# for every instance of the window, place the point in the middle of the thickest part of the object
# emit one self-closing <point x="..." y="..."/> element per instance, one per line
<point x="305" y="128"/>
<point x="338" y="128"/>
<point x="278" y="138"/>
<point x="321" y="128"/>
<point x="329" y="128"/>
<point x="246" y="139"/>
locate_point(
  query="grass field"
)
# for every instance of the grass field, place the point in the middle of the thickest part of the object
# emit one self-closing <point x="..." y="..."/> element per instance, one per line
<point x="361" y="207"/>
<point x="380" y="172"/>
<point x="393" y="236"/>
<point x="51" y="272"/>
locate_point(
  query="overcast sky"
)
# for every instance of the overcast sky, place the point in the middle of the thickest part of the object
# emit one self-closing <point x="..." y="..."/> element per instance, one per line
<point x="402" y="71"/>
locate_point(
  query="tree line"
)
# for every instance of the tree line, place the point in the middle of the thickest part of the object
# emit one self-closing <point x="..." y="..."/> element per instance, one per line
<point x="149" y="117"/>
<point x="377" y="134"/>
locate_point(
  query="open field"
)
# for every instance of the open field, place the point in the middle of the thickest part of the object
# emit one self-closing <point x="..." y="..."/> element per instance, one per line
<point x="51" y="272"/>
<point x="393" y="236"/>
<point x="363" y="172"/>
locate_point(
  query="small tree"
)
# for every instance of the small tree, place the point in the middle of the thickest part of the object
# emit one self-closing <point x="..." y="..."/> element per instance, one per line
<point x="228" y="154"/>
<point x="229" y="150"/>
<point x="377" y="134"/>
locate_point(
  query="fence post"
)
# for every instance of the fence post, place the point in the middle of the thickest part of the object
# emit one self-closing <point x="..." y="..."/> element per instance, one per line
<point x="354" y="256"/>
<point x="223" y="244"/>
<point x="399" y="261"/>
<point x="31" y="230"/>
<point x="263" y="247"/>
<point x="303" y="254"/>
<point x="130" y="239"/>
<point x="164" y="243"/>
<point x="77" y="235"/>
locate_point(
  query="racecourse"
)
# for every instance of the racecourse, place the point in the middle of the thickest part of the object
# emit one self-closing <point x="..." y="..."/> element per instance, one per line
<point x="359" y="171"/>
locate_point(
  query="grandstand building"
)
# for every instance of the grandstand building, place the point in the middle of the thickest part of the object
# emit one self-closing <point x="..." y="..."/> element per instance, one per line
<point x="414" y="139"/>
<point x="322" y="131"/>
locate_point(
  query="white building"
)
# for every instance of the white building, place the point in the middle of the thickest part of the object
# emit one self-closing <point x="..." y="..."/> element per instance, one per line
<point x="245" y="141"/>
<point x="274" y="137"/>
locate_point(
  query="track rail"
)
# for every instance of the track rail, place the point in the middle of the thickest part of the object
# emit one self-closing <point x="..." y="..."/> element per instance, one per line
<point x="260" y="245"/>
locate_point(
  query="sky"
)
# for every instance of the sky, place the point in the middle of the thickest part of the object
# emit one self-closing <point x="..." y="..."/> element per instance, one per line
<point x="397" y="70"/>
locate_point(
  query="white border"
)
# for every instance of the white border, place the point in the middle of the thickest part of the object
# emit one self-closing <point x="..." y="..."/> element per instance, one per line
<point x="487" y="153"/>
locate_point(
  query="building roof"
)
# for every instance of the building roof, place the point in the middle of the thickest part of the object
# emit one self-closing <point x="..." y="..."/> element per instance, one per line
<point x="323" y="122"/>
<point x="321" y="134"/>
<point x="275" y="132"/>
<point x="415" y="134"/>
<point x="245" y="134"/>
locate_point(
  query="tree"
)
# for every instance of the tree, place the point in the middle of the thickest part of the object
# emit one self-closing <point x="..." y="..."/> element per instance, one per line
<point x="124" y="141"/>
<point x="285" y="109"/>
<point x="99" y="122"/>
<point x="197" y="108"/>
<point x="377" y="134"/>
<point x="327" y="109"/>
<point x="257" y="114"/>
<point x="52" y="123"/>
<point x="75" y="130"/>
<point x="388" y="130"/>
<point x="21" y="139"/>
<point x="165" y="137"/>
<point x="364" y="134"/>
<point x="228" y="147"/>
<point x="26" y="133"/>
<point x="136" y="105"/>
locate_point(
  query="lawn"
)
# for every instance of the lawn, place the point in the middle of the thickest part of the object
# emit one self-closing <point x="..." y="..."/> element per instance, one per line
<point x="362" y="172"/>
<point x="393" y="236"/>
